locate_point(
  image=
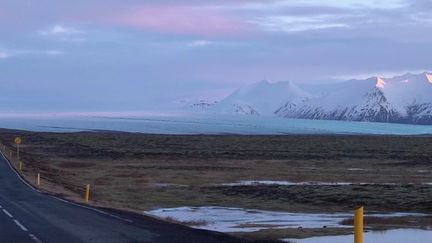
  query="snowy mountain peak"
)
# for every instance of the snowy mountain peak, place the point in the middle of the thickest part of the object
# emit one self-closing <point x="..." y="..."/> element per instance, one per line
<point x="406" y="98"/>
<point x="409" y="78"/>
<point x="262" y="98"/>
<point x="380" y="83"/>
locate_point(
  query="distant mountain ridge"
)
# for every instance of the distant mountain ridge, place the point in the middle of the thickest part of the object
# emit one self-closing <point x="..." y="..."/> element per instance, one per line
<point x="401" y="99"/>
<point x="262" y="98"/>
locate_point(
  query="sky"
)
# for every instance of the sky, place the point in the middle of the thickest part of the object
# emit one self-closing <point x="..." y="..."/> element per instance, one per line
<point x="133" y="54"/>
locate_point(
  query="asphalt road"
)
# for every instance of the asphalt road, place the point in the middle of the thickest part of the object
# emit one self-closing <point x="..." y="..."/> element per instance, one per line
<point x="27" y="215"/>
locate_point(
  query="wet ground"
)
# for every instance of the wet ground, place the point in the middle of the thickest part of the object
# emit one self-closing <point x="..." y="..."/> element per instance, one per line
<point x="390" y="236"/>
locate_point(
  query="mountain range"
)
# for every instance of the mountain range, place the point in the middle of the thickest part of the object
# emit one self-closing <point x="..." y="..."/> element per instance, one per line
<point x="401" y="99"/>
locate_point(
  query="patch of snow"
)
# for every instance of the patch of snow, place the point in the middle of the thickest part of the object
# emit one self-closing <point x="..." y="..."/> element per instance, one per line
<point x="285" y="183"/>
<point x="304" y="183"/>
<point x="355" y="169"/>
<point x="225" y="219"/>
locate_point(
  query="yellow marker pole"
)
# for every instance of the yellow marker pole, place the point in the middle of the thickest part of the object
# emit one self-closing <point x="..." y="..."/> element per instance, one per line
<point x="87" y="193"/>
<point x="20" y="165"/>
<point x="38" y="179"/>
<point x="358" y="225"/>
<point x="18" y="141"/>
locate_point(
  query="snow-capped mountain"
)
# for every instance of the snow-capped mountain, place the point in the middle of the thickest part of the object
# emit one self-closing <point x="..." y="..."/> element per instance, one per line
<point x="358" y="100"/>
<point x="262" y="98"/>
<point x="403" y="99"/>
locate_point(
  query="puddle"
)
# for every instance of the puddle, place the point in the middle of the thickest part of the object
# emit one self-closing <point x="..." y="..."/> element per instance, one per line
<point x="390" y="236"/>
<point x="225" y="219"/>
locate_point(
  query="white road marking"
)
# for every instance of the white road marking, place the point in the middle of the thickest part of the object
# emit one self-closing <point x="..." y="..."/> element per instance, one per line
<point x="7" y="213"/>
<point x="20" y="225"/>
<point x="35" y="238"/>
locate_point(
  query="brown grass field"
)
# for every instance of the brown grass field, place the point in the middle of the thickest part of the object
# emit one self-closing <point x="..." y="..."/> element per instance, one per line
<point x="140" y="172"/>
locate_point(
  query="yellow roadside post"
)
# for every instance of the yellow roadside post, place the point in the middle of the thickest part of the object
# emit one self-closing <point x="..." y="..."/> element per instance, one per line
<point x="20" y="165"/>
<point x="18" y="141"/>
<point x="87" y="193"/>
<point x="358" y="225"/>
<point x="38" y="179"/>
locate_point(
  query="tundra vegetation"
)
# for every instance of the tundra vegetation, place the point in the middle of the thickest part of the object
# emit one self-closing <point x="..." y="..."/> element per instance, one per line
<point x="140" y="172"/>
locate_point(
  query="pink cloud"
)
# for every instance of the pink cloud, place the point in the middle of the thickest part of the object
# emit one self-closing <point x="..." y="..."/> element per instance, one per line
<point x="192" y="20"/>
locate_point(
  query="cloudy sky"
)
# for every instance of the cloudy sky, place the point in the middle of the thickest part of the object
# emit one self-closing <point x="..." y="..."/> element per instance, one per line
<point x="132" y="54"/>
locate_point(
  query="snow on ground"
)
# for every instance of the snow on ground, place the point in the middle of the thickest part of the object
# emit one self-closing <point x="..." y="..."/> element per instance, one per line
<point x="355" y="169"/>
<point x="423" y="171"/>
<point x="174" y="123"/>
<point x="286" y="183"/>
<point x="302" y="183"/>
<point x="224" y="219"/>
<point x="390" y="236"/>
